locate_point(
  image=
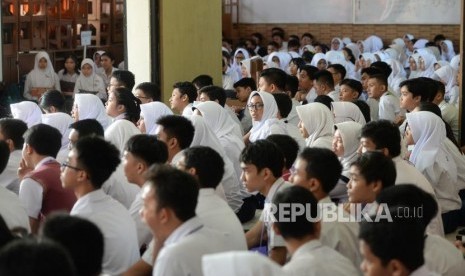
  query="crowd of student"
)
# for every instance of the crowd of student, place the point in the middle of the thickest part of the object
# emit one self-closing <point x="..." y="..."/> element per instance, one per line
<point x="123" y="186"/>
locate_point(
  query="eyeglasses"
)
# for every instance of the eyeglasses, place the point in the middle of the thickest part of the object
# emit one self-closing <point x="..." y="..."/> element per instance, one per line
<point x="256" y="106"/>
<point x="66" y="164"/>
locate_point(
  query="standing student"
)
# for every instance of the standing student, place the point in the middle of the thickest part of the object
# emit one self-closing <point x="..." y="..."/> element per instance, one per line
<point x="389" y="106"/>
<point x="182" y="97"/>
<point x="89" y="81"/>
<point x="41" y="78"/>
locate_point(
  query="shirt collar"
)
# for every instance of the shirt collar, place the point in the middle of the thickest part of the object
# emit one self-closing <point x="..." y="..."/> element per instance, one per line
<point x="306" y="247"/>
<point x="185" y="229"/>
<point x="43" y="161"/>
<point x="88" y="198"/>
<point x="274" y="188"/>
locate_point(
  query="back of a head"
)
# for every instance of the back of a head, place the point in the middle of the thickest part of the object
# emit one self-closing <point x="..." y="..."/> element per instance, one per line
<point x="300" y="226"/>
<point x="174" y="189"/>
<point x="151" y="90"/>
<point x="310" y="70"/>
<point x="339" y="68"/>
<point x="215" y="93"/>
<point x="178" y="127"/>
<point x="353" y="84"/>
<point x="52" y="98"/>
<point x="4" y="155"/>
<point x="99" y="158"/>
<point x="384" y="134"/>
<point x="383" y="67"/>
<point x="131" y="104"/>
<point x="148" y="148"/>
<point x="364" y="108"/>
<point x="288" y="146"/>
<point x="292" y="85"/>
<point x="188" y="89"/>
<point x="323" y="165"/>
<point x="208" y="165"/>
<point x="125" y="78"/>
<point x="88" y="127"/>
<point x="284" y="104"/>
<point x="324" y="77"/>
<point x="44" y="139"/>
<point x="82" y="238"/>
<point x="29" y="257"/>
<point x="264" y="154"/>
<point x="202" y="80"/>
<point x="371" y="71"/>
<point x="246" y="82"/>
<point x="13" y="129"/>
<point x="275" y="76"/>
<point x="375" y="166"/>
<point x="324" y="99"/>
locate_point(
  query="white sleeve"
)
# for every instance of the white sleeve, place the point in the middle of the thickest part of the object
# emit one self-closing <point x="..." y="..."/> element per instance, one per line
<point x="386" y="110"/>
<point x="28" y="87"/>
<point x="147" y="257"/>
<point x="30" y="195"/>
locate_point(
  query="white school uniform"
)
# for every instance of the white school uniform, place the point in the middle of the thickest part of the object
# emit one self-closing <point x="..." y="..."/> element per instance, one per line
<point x="144" y="234"/>
<point x="151" y="112"/>
<point x="93" y="83"/>
<point x="9" y="178"/>
<point x="28" y="112"/>
<point x="12" y="210"/>
<point x="334" y="95"/>
<point x="389" y="107"/>
<point x="319" y="123"/>
<point x="41" y="78"/>
<point x="450" y="114"/>
<point x="347" y="111"/>
<point x="118" y="187"/>
<point x="187" y="111"/>
<point x="294" y="132"/>
<point x="269" y="123"/>
<point x="91" y="107"/>
<point x="119" y="132"/>
<point x="442" y="257"/>
<point x="60" y="121"/>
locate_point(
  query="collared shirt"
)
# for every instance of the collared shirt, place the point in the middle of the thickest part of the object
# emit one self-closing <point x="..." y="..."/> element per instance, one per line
<point x="450" y="114"/>
<point x="12" y="210"/>
<point x="176" y="158"/>
<point x="389" y="107"/>
<point x="144" y="234"/>
<point x="442" y="257"/>
<point x="334" y="95"/>
<point x="314" y="258"/>
<point x="106" y="78"/>
<point x="187" y="111"/>
<point x="113" y="219"/>
<point x="423" y="271"/>
<point x="118" y="187"/>
<point x="9" y="178"/>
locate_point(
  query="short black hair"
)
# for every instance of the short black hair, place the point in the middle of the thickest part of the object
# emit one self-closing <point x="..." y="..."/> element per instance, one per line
<point x="174" y="189"/>
<point x="298" y="61"/>
<point x="307" y="56"/>
<point x="4" y="155"/>
<point x="309" y="35"/>
<point x="178" y="127"/>
<point x="364" y="108"/>
<point x="339" y="68"/>
<point x="277" y="30"/>
<point x="125" y="78"/>
<point x="88" y="127"/>
<point x="420" y="87"/>
<point x="439" y="37"/>
<point x="109" y="55"/>
<point x="264" y="154"/>
<point x="148" y="148"/>
<point x="380" y="78"/>
<point x="280" y="34"/>
<point x="186" y="88"/>
<point x="384" y="134"/>
<point x="288" y="146"/>
<point x="323" y="165"/>
<point x="31" y="257"/>
<point x="13" y="129"/>
<point x="151" y="90"/>
<point x="375" y="166"/>
<point x="284" y="103"/>
<point x="299" y="226"/>
<point x="310" y="70"/>
<point x="246" y="82"/>
<point x="44" y="139"/>
<point x="208" y="164"/>
<point x="131" y="104"/>
<point x="274" y="76"/>
<point x="292" y="85"/>
<point x="259" y="36"/>
<point x="371" y="71"/>
<point x="324" y="77"/>
<point x="82" y="238"/>
<point x="52" y="98"/>
<point x="382" y="66"/>
<point x="293" y="43"/>
<point x="324" y="99"/>
<point x="215" y="93"/>
<point x="354" y="85"/>
<point x="202" y="80"/>
<point x="99" y="158"/>
<point x="274" y="44"/>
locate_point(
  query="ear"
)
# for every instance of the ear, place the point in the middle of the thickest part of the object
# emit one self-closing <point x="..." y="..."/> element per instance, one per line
<point x="273" y="88"/>
<point x="164" y="215"/>
<point x="121" y="108"/>
<point x="377" y="186"/>
<point x="53" y="109"/>
<point x="192" y="171"/>
<point x="141" y="168"/>
<point x="396" y="268"/>
<point x="385" y="151"/>
<point x="314" y="185"/>
<point x="184" y="97"/>
<point x="10" y="144"/>
<point x="82" y="176"/>
<point x="29" y="150"/>
<point x="172" y="143"/>
<point x="418" y="98"/>
<point x="267" y="174"/>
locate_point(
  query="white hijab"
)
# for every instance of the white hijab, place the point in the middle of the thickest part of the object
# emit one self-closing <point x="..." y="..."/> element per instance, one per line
<point x="91" y="107"/>
<point x="284" y="59"/>
<point x="350" y="133"/>
<point x="420" y="43"/>
<point x="450" y="51"/>
<point x="429" y="133"/>
<point x="455" y="62"/>
<point x="28" y="112"/>
<point x="151" y="112"/>
<point x="316" y="58"/>
<point x="347" y="112"/>
<point x="368" y="57"/>
<point x="397" y="75"/>
<point x="93" y="82"/>
<point x="415" y="73"/>
<point x="355" y="50"/>
<point x="39" y="75"/>
<point x="372" y="44"/>
<point x="261" y="129"/>
<point x="119" y="132"/>
<point x="319" y="123"/>
<point x="341" y="43"/>
<point x="335" y="57"/>
<point x="429" y="60"/>
<point x="247" y="64"/>
<point x="60" y="121"/>
<point x="447" y="74"/>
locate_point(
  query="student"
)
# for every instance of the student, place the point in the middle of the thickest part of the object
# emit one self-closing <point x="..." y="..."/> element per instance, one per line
<point x="182" y="97"/>
<point x="97" y="61"/>
<point x="306" y="76"/>
<point x="290" y="149"/>
<point x="68" y="75"/>
<point x="11" y="132"/>
<point x="106" y="61"/>
<point x="319" y="60"/>
<point x="284" y="104"/>
<point x="28" y="112"/>
<point x="141" y="152"/>
<point x="90" y="163"/>
<point x="449" y="112"/>
<point x="396" y="77"/>
<point x="83" y="128"/>
<point x="339" y="73"/>
<point x="170" y="200"/>
<point x="244" y="88"/>
<point x="122" y="78"/>
<point x="262" y="163"/>
<point x="258" y="38"/>
<point x="279" y="60"/>
<point x="81" y="238"/>
<point x="389" y="106"/>
<point x="318" y="170"/>
<point x="89" y="81"/>
<point x="350" y="90"/>
<point x="88" y="106"/>
<point x="202" y="81"/>
<point x="324" y="84"/>
<point x="309" y="255"/>
<point x="147" y="92"/>
<point x="40" y="190"/>
<point x="316" y="125"/>
<point x="149" y="114"/>
<point x="294" y="66"/>
<point x="414" y="91"/>
<point x="347" y="111"/>
<point x="447" y="75"/>
<point x="41" y="78"/>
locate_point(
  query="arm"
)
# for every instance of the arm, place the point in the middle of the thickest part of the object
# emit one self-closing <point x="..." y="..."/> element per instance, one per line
<point x="30" y="195"/>
<point x="28" y="87"/>
<point x="253" y="235"/>
<point x="278" y="254"/>
<point x="57" y="82"/>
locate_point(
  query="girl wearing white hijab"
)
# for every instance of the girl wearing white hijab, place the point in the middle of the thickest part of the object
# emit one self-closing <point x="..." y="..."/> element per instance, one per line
<point x="149" y="114"/>
<point x="28" y="112"/>
<point x="319" y="61"/>
<point x="337" y="44"/>
<point x="88" y="106"/>
<point x="264" y="112"/>
<point x="347" y="112"/>
<point x="447" y="50"/>
<point x="239" y="55"/>
<point x="420" y="43"/>
<point x="414" y="63"/>
<point x="316" y="125"/>
<point x="426" y="63"/>
<point x="60" y="121"/>
<point x="41" y="78"/>
<point x="455" y="62"/>
<point x="396" y="77"/>
<point x="279" y="60"/>
<point x="245" y="68"/>
<point x="345" y="145"/>
<point x="447" y="76"/>
<point x="427" y="132"/>
<point x="89" y="82"/>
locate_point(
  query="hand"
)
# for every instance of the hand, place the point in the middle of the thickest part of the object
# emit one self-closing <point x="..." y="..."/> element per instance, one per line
<point x="23" y="169"/>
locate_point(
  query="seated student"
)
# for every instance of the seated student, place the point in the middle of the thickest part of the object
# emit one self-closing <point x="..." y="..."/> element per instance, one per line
<point x="147" y="92"/>
<point x="89" y="81"/>
<point x="284" y="104"/>
<point x="141" y="152"/>
<point x="350" y="90"/>
<point x="389" y="106"/>
<point x="106" y="70"/>
<point x="90" y="163"/>
<point x="88" y="106"/>
<point x="68" y="75"/>
<point x="227" y="79"/>
<point x="12" y="131"/>
<point x="290" y="149"/>
<point x="324" y="84"/>
<point x="182" y="97"/>
<point x="440" y="255"/>
<point x="243" y="88"/>
<point x="27" y="111"/>
<point x="339" y="73"/>
<point x="318" y="170"/>
<point x="414" y="91"/>
<point x="31" y="257"/>
<point x="170" y="199"/>
<point x="11" y="209"/>
<point x="121" y="78"/>
<point x="347" y="112"/>
<point x="364" y="108"/>
<point x="372" y="103"/>
<point x="384" y="254"/>
<point x="316" y="125"/>
<point x="384" y="136"/>
<point x="448" y="76"/>
<point x="262" y="164"/>
<point x="81" y="238"/>
<point x="309" y="255"/>
<point x="40" y="190"/>
<point x="449" y="112"/>
<point x="41" y="78"/>
<point x="149" y="114"/>
<point x="294" y="66"/>
<point x="306" y="82"/>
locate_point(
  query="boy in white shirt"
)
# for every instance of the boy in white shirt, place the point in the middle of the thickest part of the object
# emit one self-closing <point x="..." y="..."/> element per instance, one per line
<point x="389" y="105"/>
